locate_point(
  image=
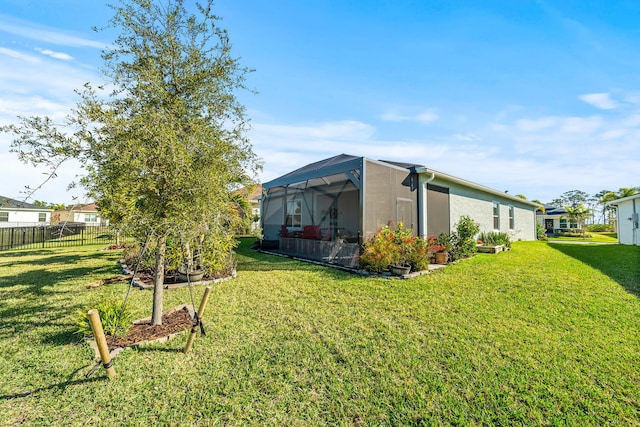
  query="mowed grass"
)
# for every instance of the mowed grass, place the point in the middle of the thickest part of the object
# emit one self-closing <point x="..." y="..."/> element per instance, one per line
<point x="541" y="335"/>
<point x="598" y="237"/>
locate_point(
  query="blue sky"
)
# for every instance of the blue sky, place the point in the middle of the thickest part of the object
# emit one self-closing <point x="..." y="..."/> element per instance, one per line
<point x="533" y="97"/>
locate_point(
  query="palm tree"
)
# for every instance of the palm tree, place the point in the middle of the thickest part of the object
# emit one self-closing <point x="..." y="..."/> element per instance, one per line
<point x="578" y="214"/>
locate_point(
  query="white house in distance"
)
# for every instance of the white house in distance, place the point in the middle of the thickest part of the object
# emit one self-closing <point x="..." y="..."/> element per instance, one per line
<point x="14" y="213"/>
<point x="555" y="220"/>
<point x="628" y="213"/>
<point x="79" y="214"/>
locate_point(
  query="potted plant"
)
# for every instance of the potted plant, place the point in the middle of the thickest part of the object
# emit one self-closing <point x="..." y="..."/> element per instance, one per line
<point x="441" y="248"/>
<point x="404" y="239"/>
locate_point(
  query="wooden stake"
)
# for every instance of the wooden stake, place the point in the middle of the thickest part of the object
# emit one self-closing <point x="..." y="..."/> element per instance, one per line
<point x="200" y="312"/>
<point x="101" y="341"/>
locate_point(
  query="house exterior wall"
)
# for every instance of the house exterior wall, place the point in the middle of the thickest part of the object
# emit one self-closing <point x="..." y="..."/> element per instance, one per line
<point x="557" y="226"/>
<point x="628" y="226"/>
<point x="24" y="218"/>
<point x="479" y="205"/>
<point x="80" y="217"/>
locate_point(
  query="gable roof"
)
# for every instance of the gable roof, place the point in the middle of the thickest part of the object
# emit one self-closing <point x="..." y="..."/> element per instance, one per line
<point x="12" y="204"/>
<point x="332" y="165"/>
<point x="91" y="207"/>
<point x="624" y="199"/>
<point x="344" y="163"/>
<point x="553" y="210"/>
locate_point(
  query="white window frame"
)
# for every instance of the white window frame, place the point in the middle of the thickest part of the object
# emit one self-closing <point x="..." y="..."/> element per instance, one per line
<point x="496" y="215"/>
<point x="512" y="217"/>
<point x="293" y="220"/>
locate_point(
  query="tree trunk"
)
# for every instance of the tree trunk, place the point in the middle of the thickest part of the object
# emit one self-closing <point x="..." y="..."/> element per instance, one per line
<point x="158" y="281"/>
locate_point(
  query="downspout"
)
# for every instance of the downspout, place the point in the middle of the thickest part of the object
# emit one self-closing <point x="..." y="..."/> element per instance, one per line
<point x="424" y="177"/>
<point x="634" y="224"/>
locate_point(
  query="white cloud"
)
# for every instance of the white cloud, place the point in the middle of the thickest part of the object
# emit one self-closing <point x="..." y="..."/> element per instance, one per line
<point x="538" y="157"/>
<point x="56" y="55"/>
<point x="45" y="34"/>
<point x="535" y="125"/>
<point x="602" y="101"/>
<point x="467" y="137"/>
<point x="14" y="54"/>
<point x="427" y="116"/>
<point x="581" y="125"/>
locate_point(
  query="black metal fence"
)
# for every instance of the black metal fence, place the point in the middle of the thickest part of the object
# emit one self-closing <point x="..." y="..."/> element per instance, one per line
<point x="55" y="236"/>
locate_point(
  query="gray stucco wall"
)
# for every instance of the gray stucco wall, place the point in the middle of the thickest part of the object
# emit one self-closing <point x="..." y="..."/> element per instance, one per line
<point x="479" y="206"/>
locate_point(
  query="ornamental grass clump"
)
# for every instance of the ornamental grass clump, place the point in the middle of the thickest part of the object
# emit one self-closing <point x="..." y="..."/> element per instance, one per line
<point x="115" y="317"/>
<point x="495" y="238"/>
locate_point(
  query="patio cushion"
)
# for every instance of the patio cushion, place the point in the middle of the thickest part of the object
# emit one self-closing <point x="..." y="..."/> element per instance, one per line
<point x="311" y="232"/>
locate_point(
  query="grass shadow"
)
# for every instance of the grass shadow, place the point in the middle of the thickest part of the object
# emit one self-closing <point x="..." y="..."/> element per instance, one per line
<point x="619" y="262"/>
<point x="53" y="258"/>
<point x="36" y="280"/>
<point x="63" y="337"/>
<point x="59" y="387"/>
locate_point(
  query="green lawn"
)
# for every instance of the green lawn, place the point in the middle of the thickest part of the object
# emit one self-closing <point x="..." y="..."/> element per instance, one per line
<point x="541" y="335"/>
<point x="599" y="237"/>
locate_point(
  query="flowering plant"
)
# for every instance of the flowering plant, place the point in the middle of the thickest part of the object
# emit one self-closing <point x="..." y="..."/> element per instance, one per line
<point x="395" y="247"/>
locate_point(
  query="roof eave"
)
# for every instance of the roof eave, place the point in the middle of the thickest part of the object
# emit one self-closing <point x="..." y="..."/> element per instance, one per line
<point x="475" y="186"/>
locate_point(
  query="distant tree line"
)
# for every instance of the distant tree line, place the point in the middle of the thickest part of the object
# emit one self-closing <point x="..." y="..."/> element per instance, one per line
<point x="595" y="205"/>
<point x="589" y="209"/>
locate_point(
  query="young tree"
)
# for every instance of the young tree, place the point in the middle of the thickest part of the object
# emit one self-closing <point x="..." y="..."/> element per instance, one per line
<point x="166" y="146"/>
<point x="573" y="198"/>
<point x="578" y="214"/>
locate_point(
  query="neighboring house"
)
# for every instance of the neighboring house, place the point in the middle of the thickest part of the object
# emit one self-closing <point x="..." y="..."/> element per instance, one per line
<point x="79" y="214"/>
<point x="14" y="213"/>
<point x="555" y="220"/>
<point x="628" y="214"/>
<point x="346" y="199"/>
<point x="253" y="196"/>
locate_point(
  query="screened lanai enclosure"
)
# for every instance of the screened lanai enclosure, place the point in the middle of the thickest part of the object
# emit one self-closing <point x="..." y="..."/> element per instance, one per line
<point x="324" y="211"/>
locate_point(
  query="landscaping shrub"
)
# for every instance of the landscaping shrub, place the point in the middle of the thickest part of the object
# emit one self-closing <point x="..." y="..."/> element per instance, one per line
<point x="541" y="232"/>
<point x="464" y="238"/>
<point x="115" y="321"/>
<point x="599" y="228"/>
<point x="420" y="254"/>
<point x="380" y="251"/>
<point x="397" y="246"/>
<point x="576" y="234"/>
<point x="213" y="255"/>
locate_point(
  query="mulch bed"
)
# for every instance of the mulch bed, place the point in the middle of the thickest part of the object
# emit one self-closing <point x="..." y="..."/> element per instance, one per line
<point x="172" y="322"/>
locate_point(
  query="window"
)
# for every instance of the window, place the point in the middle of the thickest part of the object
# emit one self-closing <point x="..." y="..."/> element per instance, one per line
<point x="496" y="216"/>
<point x="512" y="218"/>
<point x="4" y="216"/>
<point x="42" y="217"/>
<point x="565" y="224"/>
<point x="90" y="217"/>
<point x="294" y="213"/>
